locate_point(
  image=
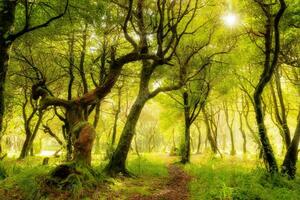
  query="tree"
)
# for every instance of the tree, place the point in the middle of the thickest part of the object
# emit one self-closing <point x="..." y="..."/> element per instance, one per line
<point x="8" y="10"/>
<point x="194" y="100"/>
<point x="270" y="64"/>
<point x="173" y="22"/>
<point x="82" y="132"/>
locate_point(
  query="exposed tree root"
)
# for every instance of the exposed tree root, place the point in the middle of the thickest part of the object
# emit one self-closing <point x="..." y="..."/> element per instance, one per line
<point x="72" y="178"/>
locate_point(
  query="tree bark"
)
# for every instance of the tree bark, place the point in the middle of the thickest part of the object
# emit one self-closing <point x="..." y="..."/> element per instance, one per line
<point x="270" y="64"/>
<point x="229" y="126"/>
<point x="118" y="110"/>
<point x="7" y="19"/>
<point x="211" y="140"/>
<point x="280" y="116"/>
<point x="30" y="136"/>
<point x="243" y="133"/>
<point x="83" y="134"/>
<point x="118" y="160"/>
<point x="199" y="138"/>
<point x="290" y="160"/>
<point x="185" y="154"/>
<point x="117" y="163"/>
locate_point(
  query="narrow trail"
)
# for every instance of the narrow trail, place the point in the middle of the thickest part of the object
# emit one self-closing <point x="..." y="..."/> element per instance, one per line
<point x="175" y="188"/>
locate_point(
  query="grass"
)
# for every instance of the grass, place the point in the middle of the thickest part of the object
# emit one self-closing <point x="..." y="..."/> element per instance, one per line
<point x="213" y="178"/>
<point x="150" y="172"/>
<point x="149" y="165"/>
<point x="240" y="179"/>
<point x="23" y="179"/>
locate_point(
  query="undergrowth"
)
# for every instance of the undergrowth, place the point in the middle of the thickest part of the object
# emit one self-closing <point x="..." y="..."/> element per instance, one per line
<point x="238" y="179"/>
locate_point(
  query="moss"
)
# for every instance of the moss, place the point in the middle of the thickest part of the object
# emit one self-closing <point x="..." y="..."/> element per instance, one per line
<point x="77" y="128"/>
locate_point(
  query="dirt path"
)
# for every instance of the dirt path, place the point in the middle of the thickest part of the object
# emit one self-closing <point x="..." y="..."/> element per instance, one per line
<point x="175" y="188"/>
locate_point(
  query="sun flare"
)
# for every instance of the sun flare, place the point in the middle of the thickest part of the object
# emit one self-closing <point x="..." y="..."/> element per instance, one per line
<point x="230" y="19"/>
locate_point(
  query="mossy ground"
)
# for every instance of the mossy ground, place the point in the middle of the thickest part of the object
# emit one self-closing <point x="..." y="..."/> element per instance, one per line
<point x="212" y="178"/>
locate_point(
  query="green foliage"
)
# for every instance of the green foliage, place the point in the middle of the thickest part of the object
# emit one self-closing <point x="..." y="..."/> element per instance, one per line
<point x="148" y="165"/>
<point x="238" y="179"/>
<point x="3" y="172"/>
<point x="25" y="180"/>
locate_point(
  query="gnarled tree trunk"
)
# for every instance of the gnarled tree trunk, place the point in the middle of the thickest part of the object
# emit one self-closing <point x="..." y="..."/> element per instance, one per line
<point x="83" y="134"/>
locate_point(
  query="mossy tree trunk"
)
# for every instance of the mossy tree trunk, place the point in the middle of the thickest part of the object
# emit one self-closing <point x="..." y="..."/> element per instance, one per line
<point x="270" y="64"/>
<point x="291" y="156"/>
<point x="186" y="149"/>
<point x="117" y="163"/>
<point x="83" y="134"/>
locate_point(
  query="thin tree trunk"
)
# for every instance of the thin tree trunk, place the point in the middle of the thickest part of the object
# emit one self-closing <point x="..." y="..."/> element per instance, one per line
<point x="229" y="126"/>
<point x="243" y="134"/>
<point x="30" y="136"/>
<point x="199" y="138"/>
<point x="291" y="157"/>
<point x="95" y="124"/>
<point x="209" y="134"/>
<point x="25" y="147"/>
<point x="286" y="130"/>
<point x="185" y="157"/>
<point x="115" y="126"/>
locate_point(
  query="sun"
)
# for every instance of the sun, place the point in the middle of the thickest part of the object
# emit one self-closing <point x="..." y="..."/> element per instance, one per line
<point x="230" y="19"/>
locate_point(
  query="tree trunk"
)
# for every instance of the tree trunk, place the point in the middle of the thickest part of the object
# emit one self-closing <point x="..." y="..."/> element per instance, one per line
<point x="291" y="157"/>
<point x="285" y="128"/>
<point x="229" y="125"/>
<point x="83" y="143"/>
<point x="268" y="154"/>
<point x="185" y="157"/>
<point x="118" y="160"/>
<point x="25" y="147"/>
<point x="115" y="126"/>
<point x="209" y="134"/>
<point x="68" y="138"/>
<point x="95" y="124"/>
<point x="243" y="133"/>
<point x="117" y="163"/>
<point x="270" y="63"/>
<point x="7" y="19"/>
<point x="30" y="136"/>
<point x="199" y="138"/>
<point x="280" y="116"/>
<point x="4" y="58"/>
<point x="83" y="135"/>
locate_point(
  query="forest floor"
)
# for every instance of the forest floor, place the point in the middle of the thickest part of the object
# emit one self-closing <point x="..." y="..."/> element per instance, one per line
<point x="157" y="178"/>
<point x="176" y="188"/>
